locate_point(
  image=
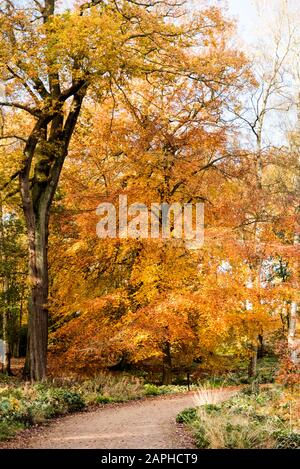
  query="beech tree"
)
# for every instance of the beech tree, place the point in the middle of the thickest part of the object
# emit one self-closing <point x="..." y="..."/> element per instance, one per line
<point x="51" y="60"/>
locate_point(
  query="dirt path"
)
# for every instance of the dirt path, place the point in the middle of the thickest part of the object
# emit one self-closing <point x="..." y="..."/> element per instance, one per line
<point x="143" y="424"/>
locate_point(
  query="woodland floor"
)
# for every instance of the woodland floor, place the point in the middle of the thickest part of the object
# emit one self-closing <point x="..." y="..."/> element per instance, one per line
<point x="146" y="424"/>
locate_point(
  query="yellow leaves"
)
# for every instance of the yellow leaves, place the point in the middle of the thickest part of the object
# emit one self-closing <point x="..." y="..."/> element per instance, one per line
<point x="76" y="247"/>
<point x="96" y="41"/>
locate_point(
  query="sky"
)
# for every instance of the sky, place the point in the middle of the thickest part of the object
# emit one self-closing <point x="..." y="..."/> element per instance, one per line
<point x="243" y="11"/>
<point x="250" y="15"/>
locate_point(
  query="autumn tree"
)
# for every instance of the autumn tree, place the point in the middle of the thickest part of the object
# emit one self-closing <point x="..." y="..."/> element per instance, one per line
<point x="47" y="77"/>
<point x="164" y="141"/>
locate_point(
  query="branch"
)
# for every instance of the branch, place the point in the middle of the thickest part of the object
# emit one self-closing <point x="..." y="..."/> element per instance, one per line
<point x="33" y="112"/>
<point x="12" y="177"/>
<point x="203" y="168"/>
<point x="13" y="136"/>
<point x="90" y="4"/>
<point x="72" y="90"/>
<point x="24" y="83"/>
<point x="38" y="85"/>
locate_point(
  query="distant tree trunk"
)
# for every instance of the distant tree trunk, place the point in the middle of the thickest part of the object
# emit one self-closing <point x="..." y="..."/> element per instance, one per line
<point x="293" y="331"/>
<point x="5" y="322"/>
<point x="26" y="368"/>
<point x="293" y="341"/>
<point x="252" y="369"/>
<point x="261" y="347"/>
<point x="7" y="351"/>
<point x="16" y="350"/>
<point x="167" y="364"/>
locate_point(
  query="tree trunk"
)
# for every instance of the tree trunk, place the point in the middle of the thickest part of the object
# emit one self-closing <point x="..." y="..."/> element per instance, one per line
<point x="293" y="340"/>
<point x="7" y="351"/>
<point x="252" y="369"/>
<point x="37" y="225"/>
<point x="16" y="350"/>
<point x="167" y="364"/>
<point x="261" y="348"/>
<point x="26" y="369"/>
<point x="5" y="324"/>
<point x="293" y="331"/>
<point x="44" y="154"/>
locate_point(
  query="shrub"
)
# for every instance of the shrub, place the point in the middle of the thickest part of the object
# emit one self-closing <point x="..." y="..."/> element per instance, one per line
<point x="73" y="400"/>
<point x="63" y="400"/>
<point x="187" y="415"/>
<point x="200" y="438"/>
<point x="212" y="408"/>
<point x="153" y="390"/>
<point x="287" y="440"/>
<point x="8" y="429"/>
<point x="104" y="399"/>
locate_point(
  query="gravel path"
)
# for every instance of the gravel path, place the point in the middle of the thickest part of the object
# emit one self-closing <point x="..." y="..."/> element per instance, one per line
<point x="145" y="424"/>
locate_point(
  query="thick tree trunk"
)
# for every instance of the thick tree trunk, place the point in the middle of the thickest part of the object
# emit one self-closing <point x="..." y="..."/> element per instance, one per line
<point x="37" y="224"/>
<point x="44" y="155"/>
<point x="167" y="365"/>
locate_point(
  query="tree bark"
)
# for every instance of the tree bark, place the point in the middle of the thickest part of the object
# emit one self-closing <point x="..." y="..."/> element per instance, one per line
<point x="7" y="348"/>
<point x="7" y="353"/>
<point x="38" y="272"/>
<point x="293" y="340"/>
<point x="252" y="369"/>
<point x="261" y="348"/>
<point x="167" y="365"/>
<point x="293" y="331"/>
<point x="44" y="154"/>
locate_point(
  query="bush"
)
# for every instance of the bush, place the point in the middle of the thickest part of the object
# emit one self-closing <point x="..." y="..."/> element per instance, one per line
<point x="187" y="415"/>
<point x="72" y="399"/>
<point x="8" y="430"/>
<point x="201" y="439"/>
<point x="287" y="440"/>
<point x="62" y="400"/>
<point x="104" y="400"/>
<point x="212" y="408"/>
<point x="153" y="390"/>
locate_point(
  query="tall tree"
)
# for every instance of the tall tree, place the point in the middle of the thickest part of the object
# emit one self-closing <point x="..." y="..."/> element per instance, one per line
<point x="47" y="76"/>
